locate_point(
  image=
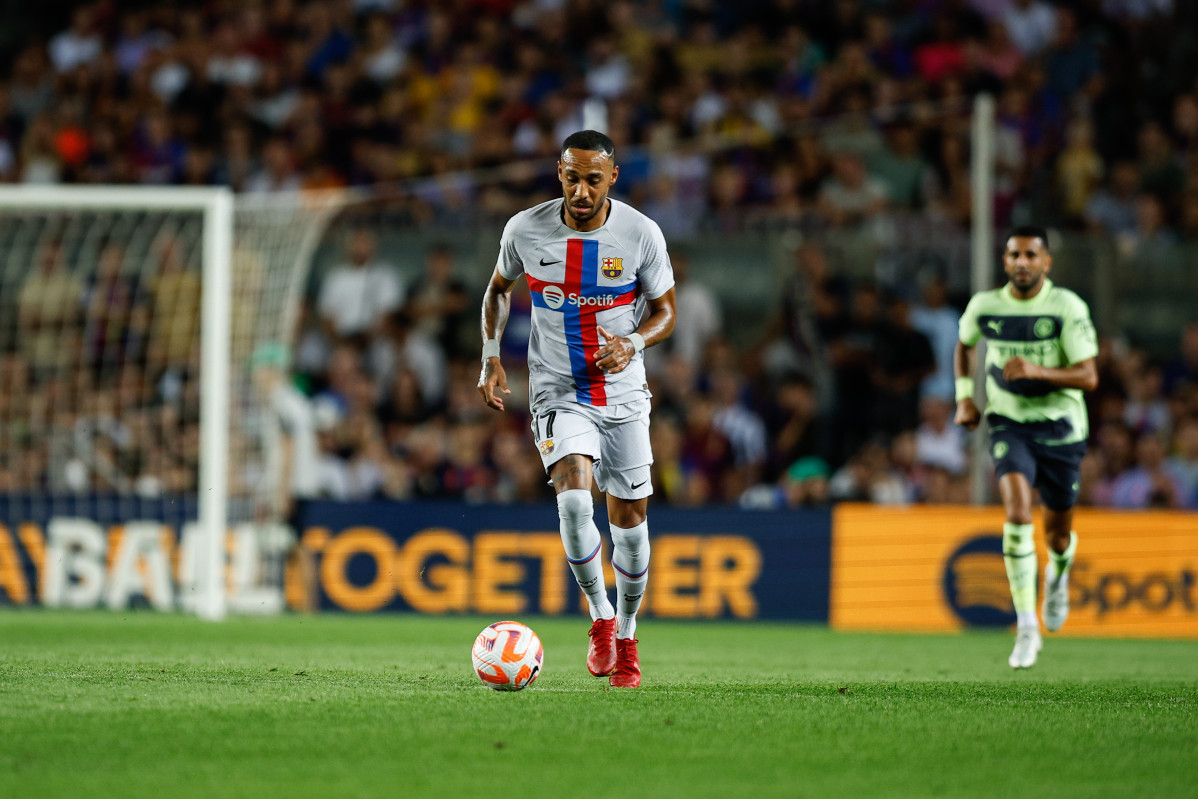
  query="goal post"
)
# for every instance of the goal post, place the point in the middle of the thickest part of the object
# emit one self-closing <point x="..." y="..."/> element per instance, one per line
<point x="216" y="207"/>
<point x="232" y="270"/>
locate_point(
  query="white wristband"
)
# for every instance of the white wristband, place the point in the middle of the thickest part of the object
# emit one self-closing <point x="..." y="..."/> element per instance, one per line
<point x="638" y="342"/>
<point x="490" y="348"/>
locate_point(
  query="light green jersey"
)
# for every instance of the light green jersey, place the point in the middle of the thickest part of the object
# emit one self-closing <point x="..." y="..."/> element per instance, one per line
<point x="1051" y="329"/>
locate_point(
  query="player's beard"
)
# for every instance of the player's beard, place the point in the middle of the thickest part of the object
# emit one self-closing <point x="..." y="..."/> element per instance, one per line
<point x="594" y="209"/>
<point x="1026" y="284"/>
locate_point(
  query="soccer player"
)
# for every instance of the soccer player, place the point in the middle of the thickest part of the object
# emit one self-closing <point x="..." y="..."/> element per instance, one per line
<point x="592" y="264"/>
<point x="1040" y="349"/>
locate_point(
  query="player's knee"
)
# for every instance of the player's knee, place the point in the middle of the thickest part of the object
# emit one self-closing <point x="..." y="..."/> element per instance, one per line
<point x="575" y="507"/>
<point x="634" y="541"/>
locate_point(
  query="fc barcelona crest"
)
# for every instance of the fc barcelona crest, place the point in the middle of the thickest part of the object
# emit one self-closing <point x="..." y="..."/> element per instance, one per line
<point x="547" y="446"/>
<point x="613" y="268"/>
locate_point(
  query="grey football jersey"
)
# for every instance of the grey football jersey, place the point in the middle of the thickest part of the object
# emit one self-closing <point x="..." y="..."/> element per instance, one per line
<point x="579" y="282"/>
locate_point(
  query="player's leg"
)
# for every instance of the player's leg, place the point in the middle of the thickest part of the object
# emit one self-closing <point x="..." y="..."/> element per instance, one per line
<point x="569" y="443"/>
<point x="625" y="442"/>
<point x="1058" y="482"/>
<point x="1016" y="469"/>
<point x="1062" y="546"/>
<point x="630" y="562"/>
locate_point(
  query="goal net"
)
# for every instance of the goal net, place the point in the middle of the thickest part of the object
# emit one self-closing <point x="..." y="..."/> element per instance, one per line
<point x="136" y="461"/>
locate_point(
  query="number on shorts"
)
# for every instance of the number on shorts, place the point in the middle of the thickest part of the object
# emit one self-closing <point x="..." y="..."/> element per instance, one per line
<point x="548" y="417"/>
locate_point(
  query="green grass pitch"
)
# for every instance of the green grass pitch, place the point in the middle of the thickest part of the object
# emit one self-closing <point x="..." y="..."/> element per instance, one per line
<point x="146" y="705"/>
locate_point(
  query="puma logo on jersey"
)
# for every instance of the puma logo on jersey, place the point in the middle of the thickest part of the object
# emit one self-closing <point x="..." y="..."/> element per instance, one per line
<point x="995" y="325"/>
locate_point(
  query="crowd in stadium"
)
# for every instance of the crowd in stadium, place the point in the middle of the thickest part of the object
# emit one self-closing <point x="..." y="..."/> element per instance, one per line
<point x="842" y="108"/>
<point x="728" y="426"/>
<point x="785" y="111"/>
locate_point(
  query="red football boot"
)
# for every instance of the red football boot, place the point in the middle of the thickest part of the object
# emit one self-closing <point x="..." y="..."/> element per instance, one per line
<point x="601" y="654"/>
<point x="628" y="665"/>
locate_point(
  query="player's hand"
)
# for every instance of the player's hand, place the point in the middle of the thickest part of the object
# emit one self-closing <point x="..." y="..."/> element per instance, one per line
<point x="493" y="377"/>
<point x="967" y="414"/>
<point x="1019" y="369"/>
<point x="615" y="355"/>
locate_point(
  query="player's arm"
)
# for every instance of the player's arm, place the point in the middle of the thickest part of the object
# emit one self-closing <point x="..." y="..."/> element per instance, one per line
<point x="967" y="414"/>
<point x="1083" y="375"/>
<point x="1079" y="345"/>
<point x="616" y="354"/>
<point x="497" y="303"/>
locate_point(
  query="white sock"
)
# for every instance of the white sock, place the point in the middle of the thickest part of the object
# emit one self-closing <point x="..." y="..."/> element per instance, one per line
<point x="630" y="560"/>
<point x="581" y="540"/>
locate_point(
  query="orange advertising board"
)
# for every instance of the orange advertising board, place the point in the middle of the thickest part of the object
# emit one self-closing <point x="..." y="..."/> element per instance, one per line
<point x="930" y="568"/>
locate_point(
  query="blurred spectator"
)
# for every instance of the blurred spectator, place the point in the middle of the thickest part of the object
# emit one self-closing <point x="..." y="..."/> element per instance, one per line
<point x="1148" y="484"/>
<point x="743" y="429"/>
<point x="78" y="45"/>
<point x="438" y="305"/>
<point x="1146" y="410"/>
<point x="902" y="169"/>
<point x="1113" y="209"/>
<point x="1072" y="60"/>
<point x="108" y="306"/>
<point x="1153" y="238"/>
<point x="1031" y="24"/>
<point x="938" y="442"/>
<point x="699" y="315"/>
<point x="854" y="351"/>
<point x="278" y="172"/>
<point x="48" y="310"/>
<point x="996" y="55"/>
<point x="1182" y="464"/>
<point x="401" y="346"/>
<point x="793" y="419"/>
<point x="175" y="296"/>
<point x="805" y="483"/>
<point x="810" y="316"/>
<point x="902" y="359"/>
<point x="1183" y="369"/>
<point x="1079" y="169"/>
<point x="357" y="295"/>
<point x="851" y="196"/>
<point x="1160" y="174"/>
<point x="868" y="477"/>
<point x="939" y="324"/>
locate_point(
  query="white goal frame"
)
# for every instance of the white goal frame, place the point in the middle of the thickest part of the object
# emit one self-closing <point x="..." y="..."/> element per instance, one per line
<point x="216" y="206"/>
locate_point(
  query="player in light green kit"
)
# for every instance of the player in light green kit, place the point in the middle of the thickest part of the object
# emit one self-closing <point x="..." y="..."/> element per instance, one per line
<point x="1040" y="349"/>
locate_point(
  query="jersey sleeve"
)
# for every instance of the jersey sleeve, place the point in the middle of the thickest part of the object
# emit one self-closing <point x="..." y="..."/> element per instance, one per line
<point x="1079" y="340"/>
<point x="655" y="275"/>
<point x="510" y="265"/>
<point x="968" y="330"/>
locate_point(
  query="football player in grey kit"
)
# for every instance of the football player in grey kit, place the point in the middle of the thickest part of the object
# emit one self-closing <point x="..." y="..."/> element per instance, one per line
<point x="602" y="290"/>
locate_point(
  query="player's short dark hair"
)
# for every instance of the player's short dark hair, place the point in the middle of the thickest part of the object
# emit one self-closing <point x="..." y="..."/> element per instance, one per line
<point x="1031" y="232"/>
<point x="589" y="140"/>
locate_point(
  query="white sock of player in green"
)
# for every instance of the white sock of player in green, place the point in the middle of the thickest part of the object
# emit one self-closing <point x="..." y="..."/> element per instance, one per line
<point x="630" y="560"/>
<point x="1019" y="555"/>
<point x="582" y="542"/>
<point x="1059" y="562"/>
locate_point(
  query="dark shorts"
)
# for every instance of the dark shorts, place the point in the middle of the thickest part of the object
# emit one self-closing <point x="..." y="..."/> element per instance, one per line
<point x="1055" y="469"/>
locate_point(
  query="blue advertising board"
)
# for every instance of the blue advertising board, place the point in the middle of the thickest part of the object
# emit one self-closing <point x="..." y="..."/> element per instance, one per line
<point x="449" y="557"/>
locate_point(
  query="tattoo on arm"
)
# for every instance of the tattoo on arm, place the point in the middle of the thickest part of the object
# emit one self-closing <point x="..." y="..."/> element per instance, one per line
<point x="497" y="304"/>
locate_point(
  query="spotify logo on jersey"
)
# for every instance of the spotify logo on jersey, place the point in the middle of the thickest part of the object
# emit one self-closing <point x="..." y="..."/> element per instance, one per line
<point x="554" y="297"/>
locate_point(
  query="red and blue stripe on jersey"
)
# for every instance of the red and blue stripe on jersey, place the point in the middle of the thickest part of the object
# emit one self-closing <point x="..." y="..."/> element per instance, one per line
<point x="581" y="325"/>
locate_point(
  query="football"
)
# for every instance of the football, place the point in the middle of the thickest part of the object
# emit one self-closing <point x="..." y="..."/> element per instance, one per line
<point x="507" y="656"/>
